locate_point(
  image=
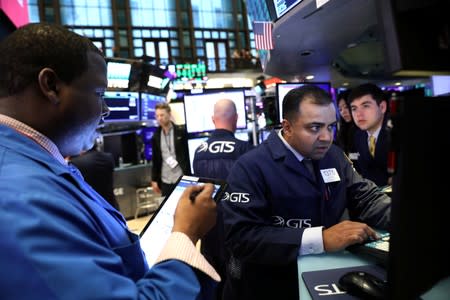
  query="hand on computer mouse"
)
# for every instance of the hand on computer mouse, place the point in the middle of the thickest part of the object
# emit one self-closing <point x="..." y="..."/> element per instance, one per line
<point x="363" y="285"/>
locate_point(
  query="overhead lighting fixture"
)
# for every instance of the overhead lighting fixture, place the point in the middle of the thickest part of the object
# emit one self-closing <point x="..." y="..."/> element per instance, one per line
<point x="345" y="84"/>
<point x="309" y="77"/>
<point x="398" y="83"/>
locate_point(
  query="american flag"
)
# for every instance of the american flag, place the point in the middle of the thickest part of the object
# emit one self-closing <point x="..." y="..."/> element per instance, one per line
<point x="263" y="35"/>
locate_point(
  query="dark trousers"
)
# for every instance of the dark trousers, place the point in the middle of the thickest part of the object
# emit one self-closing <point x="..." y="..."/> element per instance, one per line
<point x="166" y="188"/>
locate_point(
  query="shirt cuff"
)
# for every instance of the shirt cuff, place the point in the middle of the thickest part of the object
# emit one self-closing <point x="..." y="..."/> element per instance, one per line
<point x="312" y="241"/>
<point x="179" y="246"/>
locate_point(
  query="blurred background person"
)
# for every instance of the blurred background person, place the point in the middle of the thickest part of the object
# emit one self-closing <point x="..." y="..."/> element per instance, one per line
<point x="346" y="126"/>
<point x="214" y="159"/>
<point x="170" y="155"/>
<point x="97" y="168"/>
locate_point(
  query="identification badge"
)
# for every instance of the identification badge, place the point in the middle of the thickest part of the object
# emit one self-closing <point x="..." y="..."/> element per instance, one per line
<point x="330" y="175"/>
<point x="172" y="162"/>
<point x="353" y="156"/>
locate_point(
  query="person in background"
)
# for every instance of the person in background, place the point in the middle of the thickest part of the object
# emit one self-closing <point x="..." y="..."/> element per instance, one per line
<point x="287" y="198"/>
<point x="346" y="127"/>
<point x="61" y="240"/>
<point x="170" y="155"/>
<point x="97" y="168"/>
<point x="368" y="105"/>
<point x="214" y="159"/>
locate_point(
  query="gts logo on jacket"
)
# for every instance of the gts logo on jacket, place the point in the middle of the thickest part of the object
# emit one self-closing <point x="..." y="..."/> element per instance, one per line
<point x="236" y="197"/>
<point x="217" y="147"/>
<point x="291" y="223"/>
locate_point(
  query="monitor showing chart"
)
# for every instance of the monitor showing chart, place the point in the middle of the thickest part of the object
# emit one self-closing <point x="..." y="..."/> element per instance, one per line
<point x="123" y="106"/>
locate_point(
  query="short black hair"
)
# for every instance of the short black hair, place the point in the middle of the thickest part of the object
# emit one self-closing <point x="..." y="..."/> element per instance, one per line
<point x="367" y="89"/>
<point x="292" y="100"/>
<point x="35" y="46"/>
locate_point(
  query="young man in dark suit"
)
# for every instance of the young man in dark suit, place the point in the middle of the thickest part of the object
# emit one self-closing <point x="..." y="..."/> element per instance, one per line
<point x="369" y="106"/>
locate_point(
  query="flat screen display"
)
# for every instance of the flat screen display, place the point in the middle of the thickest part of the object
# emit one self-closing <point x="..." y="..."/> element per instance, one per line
<point x="118" y="74"/>
<point x="199" y="109"/>
<point x="148" y="103"/>
<point x="283" y="88"/>
<point x="123" y="106"/>
<point x="283" y="6"/>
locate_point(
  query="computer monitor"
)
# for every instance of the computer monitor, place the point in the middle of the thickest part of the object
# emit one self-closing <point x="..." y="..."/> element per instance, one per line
<point x="177" y="112"/>
<point x="199" y="108"/>
<point x="283" y="88"/>
<point x="419" y="253"/>
<point x="242" y="134"/>
<point x="148" y="103"/>
<point x="123" y="106"/>
<point x="118" y="74"/>
<point x="278" y="8"/>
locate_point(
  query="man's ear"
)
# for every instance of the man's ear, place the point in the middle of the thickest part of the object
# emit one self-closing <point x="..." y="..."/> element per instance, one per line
<point x="49" y="83"/>
<point x="287" y="127"/>
<point x="383" y="106"/>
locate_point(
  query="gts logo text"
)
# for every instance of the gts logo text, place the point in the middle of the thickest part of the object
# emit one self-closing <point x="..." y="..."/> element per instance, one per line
<point x="236" y="197"/>
<point x="217" y="147"/>
<point x="291" y="223"/>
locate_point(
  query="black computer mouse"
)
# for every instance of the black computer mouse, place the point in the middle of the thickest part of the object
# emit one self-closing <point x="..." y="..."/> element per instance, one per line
<point x="363" y="285"/>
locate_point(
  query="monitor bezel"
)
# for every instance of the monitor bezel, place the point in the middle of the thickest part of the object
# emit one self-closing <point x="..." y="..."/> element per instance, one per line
<point x="279" y="102"/>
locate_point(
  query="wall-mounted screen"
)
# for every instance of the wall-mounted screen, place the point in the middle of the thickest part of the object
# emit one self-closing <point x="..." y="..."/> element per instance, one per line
<point x="148" y="103"/>
<point x="123" y="106"/>
<point x="283" y="6"/>
<point x="154" y="79"/>
<point x="283" y="88"/>
<point x="118" y="74"/>
<point x="177" y="112"/>
<point x="199" y="108"/>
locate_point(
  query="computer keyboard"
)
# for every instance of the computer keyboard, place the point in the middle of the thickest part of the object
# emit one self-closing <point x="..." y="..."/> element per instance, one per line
<point x="377" y="250"/>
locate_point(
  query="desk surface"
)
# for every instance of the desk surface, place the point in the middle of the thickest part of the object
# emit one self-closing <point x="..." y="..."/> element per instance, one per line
<point x="344" y="259"/>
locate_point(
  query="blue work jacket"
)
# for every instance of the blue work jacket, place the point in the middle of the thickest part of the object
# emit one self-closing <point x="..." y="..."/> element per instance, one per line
<point x="59" y="239"/>
<point x="215" y="157"/>
<point x="272" y="198"/>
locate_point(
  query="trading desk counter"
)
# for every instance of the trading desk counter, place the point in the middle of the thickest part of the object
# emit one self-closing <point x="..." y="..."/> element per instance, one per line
<point x="344" y="259"/>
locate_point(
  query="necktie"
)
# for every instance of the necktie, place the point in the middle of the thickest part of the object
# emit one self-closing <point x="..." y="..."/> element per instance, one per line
<point x="372" y="145"/>
<point x="309" y="165"/>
